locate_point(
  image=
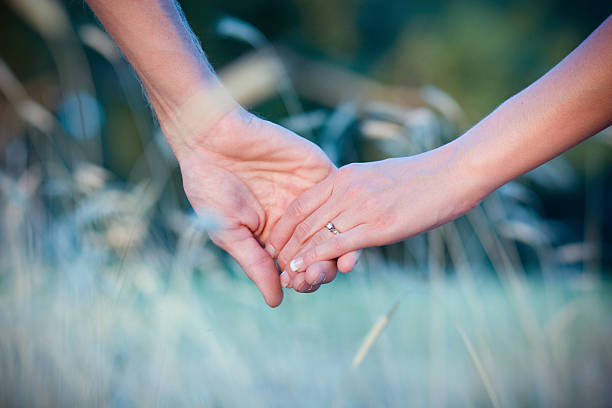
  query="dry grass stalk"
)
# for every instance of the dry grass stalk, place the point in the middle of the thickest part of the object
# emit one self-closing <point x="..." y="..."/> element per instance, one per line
<point x="459" y="258"/>
<point x="437" y="351"/>
<point x="373" y="335"/>
<point x="479" y="367"/>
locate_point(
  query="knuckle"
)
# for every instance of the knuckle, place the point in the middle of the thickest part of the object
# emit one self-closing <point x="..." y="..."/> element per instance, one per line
<point x="296" y="209"/>
<point x="319" y="238"/>
<point x="351" y="171"/>
<point x="302" y="232"/>
<point x="338" y="244"/>
<point x="313" y="254"/>
<point x="283" y="260"/>
<point x="348" y="170"/>
<point x="385" y="221"/>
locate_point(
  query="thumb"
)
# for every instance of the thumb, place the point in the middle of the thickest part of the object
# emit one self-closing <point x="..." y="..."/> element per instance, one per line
<point x="254" y="260"/>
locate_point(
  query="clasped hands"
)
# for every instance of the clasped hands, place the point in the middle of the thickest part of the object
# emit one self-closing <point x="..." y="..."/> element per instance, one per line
<point x="274" y="192"/>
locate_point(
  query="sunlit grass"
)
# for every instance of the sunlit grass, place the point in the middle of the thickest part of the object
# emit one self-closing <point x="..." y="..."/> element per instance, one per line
<point x="164" y="339"/>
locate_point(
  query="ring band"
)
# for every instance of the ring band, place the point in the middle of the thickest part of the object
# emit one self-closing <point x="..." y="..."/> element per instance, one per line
<point x="331" y="228"/>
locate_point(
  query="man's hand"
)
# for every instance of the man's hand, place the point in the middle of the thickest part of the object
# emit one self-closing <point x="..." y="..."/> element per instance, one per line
<point x="243" y="169"/>
<point x="246" y="171"/>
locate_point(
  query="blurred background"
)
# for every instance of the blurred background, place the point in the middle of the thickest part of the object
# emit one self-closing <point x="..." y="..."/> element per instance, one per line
<point x="112" y="295"/>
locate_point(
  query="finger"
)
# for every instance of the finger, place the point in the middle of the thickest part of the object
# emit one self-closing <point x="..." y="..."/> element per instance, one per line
<point x="303" y="286"/>
<point x="343" y="222"/>
<point x="285" y="280"/>
<point x="254" y="260"/>
<point x="299" y="283"/>
<point x="339" y="245"/>
<point x="321" y="272"/>
<point x="313" y="225"/>
<point x="323" y="235"/>
<point x="347" y="262"/>
<point x="325" y="270"/>
<point x="296" y="212"/>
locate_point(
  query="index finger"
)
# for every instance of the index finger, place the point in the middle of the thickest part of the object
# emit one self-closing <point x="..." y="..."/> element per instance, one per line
<point x="300" y="208"/>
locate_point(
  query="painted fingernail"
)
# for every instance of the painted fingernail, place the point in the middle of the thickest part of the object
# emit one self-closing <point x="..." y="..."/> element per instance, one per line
<point x="296" y="264"/>
<point x="271" y="250"/>
<point x="285" y="279"/>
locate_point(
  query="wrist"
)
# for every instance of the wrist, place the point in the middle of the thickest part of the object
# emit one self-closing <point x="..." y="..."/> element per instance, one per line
<point x="471" y="183"/>
<point x="460" y="177"/>
<point x="206" y="109"/>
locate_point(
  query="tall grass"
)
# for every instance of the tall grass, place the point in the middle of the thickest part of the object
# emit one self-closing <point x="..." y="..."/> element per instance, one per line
<point x="111" y="293"/>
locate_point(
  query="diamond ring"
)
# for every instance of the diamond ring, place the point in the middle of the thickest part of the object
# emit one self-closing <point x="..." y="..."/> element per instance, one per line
<point x="331" y="228"/>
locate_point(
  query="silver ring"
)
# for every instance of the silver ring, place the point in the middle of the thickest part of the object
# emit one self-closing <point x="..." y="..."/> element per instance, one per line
<point x="331" y="228"/>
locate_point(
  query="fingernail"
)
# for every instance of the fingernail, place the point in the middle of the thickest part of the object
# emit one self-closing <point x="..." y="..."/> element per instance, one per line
<point x="320" y="280"/>
<point x="305" y="286"/>
<point x="271" y="250"/>
<point x="285" y="279"/>
<point x="296" y="264"/>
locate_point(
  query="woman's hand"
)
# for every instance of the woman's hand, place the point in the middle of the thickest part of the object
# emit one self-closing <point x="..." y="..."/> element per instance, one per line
<point x="370" y="204"/>
<point x="380" y="203"/>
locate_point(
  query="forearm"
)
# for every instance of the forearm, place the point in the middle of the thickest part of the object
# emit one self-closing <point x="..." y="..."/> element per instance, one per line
<point x="570" y="103"/>
<point x="167" y="58"/>
<point x="383" y="202"/>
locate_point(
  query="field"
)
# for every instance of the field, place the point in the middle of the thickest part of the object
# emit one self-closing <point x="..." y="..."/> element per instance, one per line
<point x="78" y="337"/>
